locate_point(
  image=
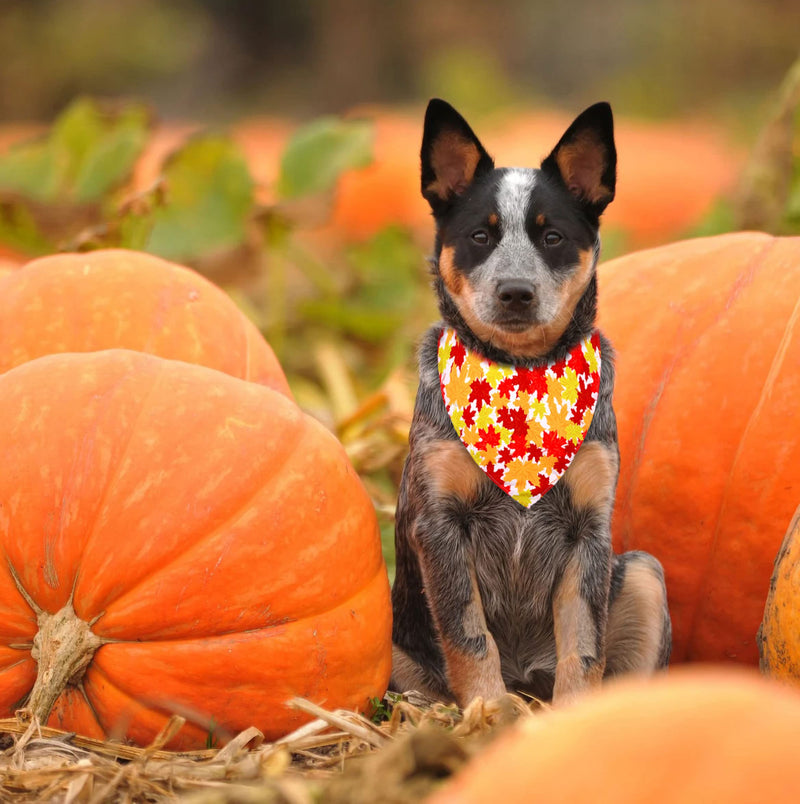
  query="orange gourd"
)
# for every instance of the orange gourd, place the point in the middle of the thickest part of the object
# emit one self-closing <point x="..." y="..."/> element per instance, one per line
<point x="692" y="736"/>
<point x="208" y="545"/>
<point x="779" y="635"/>
<point x="708" y="377"/>
<point x="128" y="299"/>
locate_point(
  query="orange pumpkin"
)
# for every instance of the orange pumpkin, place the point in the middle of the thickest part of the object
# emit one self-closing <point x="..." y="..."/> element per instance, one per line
<point x="132" y="300"/>
<point x="692" y="736"/>
<point x="208" y="547"/>
<point x="779" y="635"/>
<point x="708" y="377"/>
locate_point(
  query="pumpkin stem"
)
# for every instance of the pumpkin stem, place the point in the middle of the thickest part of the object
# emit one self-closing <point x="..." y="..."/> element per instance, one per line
<point x="63" y="647"/>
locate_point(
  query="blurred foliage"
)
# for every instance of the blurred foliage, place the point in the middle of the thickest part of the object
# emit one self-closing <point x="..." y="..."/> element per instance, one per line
<point x="209" y="201"/>
<point x="88" y="151"/>
<point x="320" y="152"/>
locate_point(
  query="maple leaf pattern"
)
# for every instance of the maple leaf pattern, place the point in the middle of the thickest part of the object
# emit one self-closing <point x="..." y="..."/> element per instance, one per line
<point x="522" y="426"/>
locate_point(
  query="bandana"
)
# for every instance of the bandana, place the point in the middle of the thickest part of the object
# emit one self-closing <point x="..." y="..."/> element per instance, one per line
<point x="522" y="426"/>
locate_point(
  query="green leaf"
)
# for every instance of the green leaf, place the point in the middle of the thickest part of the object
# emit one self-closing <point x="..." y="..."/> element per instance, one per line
<point x="320" y="152"/>
<point x="209" y="200"/>
<point x="87" y="153"/>
<point x="19" y="231"/>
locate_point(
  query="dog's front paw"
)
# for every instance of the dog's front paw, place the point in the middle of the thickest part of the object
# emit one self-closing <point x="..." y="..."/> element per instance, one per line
<point x="575" y="675"/>
<point x="472" y="675"/>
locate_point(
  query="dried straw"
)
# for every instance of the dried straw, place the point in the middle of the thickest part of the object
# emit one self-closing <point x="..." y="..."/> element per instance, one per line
<point x="338" y="756"/>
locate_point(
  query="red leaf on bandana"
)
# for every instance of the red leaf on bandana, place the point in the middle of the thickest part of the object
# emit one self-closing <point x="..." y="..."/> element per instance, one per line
<point x="489" y="437"/>
<point x="458" y="352"/>
<point x="469" y="414"/>
<point x="584" y="402"/>
<point x="480" y="392"/>
<point x="506" y="386"/>
<point x="533" y="452"/>
<point x="578" y="362"/>
<point x="496" y="474"/>
<point x="562" y="463"/>
<point x="553" y="444"/>
<point x="532" y="381"/>
<point x="505" y="455"/>
<point x="514" y="419"/>
<point x="519" y="444"/>
<point x="542" y="485"/>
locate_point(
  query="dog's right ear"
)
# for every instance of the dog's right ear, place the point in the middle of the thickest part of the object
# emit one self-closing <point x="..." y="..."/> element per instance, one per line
<point x="452" y="157"/>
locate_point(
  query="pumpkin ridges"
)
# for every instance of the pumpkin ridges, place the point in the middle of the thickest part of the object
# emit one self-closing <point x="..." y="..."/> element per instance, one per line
<point x="258" y="667"/>
<point x="228" y="493"/>
<point x="17" y="674"/>
<point x="117" y="298"/>
<point x="137" y="599"/>
<point x="726" y="502"/>
<point x="729" y="298"/>
<point x="743" y="281"/>
<point x="73" y="712"/>
<point x="619" y="285"/>
<point x="206" y="439"/>
<point x="134" y="720"/>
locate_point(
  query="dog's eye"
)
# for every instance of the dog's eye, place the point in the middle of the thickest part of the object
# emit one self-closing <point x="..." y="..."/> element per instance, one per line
<point x="552" y="238"/>
<point x="481" y="237"/>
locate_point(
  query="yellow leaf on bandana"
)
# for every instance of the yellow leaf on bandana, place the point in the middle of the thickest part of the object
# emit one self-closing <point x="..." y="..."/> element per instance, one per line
<point x="495" y="373"/>
<point x="444" y="354"/>
<point x="524" y="498"/>
<point x="485" y="417"/>
<point x="569" y="385"/>
<point x="574" y="433"/>
<point x="591" y="356"/>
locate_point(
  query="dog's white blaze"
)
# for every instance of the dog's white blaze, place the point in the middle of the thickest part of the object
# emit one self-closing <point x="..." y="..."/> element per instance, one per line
<point x="513" y="198"/>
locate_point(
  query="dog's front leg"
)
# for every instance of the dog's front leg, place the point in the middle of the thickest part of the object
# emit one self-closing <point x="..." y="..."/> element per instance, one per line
<point x="471" y="657"/>
<point x="580" y="602"/>
<point x="580" y="606"/>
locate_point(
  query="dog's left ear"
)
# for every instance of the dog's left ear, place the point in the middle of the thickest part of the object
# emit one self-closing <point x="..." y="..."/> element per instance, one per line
<point x="451" y="157"/>
<point x="585" y="158"/>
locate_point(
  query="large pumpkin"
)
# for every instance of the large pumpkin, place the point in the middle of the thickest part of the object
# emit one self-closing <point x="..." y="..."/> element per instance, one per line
<point x="708" y="382"/>
<point x="779" y="635"/>
<point x="205" y="545"/>
<point x="692" y="736"/>
<point x="131" y="300"/>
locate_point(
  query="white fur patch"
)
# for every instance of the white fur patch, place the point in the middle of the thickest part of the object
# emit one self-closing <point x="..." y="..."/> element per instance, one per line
<point x="513" y="198"/>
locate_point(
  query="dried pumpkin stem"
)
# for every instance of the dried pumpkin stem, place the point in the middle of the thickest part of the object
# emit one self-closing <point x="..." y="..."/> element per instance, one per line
<point x="63" y="648"/>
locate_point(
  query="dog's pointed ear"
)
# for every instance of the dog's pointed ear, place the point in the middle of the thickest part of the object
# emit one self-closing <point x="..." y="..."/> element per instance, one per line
<point x="452" y="157"/>
<point x="585" y="159"/>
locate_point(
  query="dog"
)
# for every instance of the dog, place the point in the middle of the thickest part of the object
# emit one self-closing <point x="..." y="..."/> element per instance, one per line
<point x="495" y="593"/>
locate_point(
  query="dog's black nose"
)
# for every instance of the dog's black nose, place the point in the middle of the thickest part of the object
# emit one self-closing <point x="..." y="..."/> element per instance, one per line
<point x="515" y="294"/>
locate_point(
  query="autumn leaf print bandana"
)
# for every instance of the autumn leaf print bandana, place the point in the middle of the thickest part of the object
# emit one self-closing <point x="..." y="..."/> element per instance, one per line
<point x="521" y="426"/>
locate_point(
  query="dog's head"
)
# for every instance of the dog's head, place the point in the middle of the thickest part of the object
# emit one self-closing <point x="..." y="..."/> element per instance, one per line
<point x="517" y="248"/>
